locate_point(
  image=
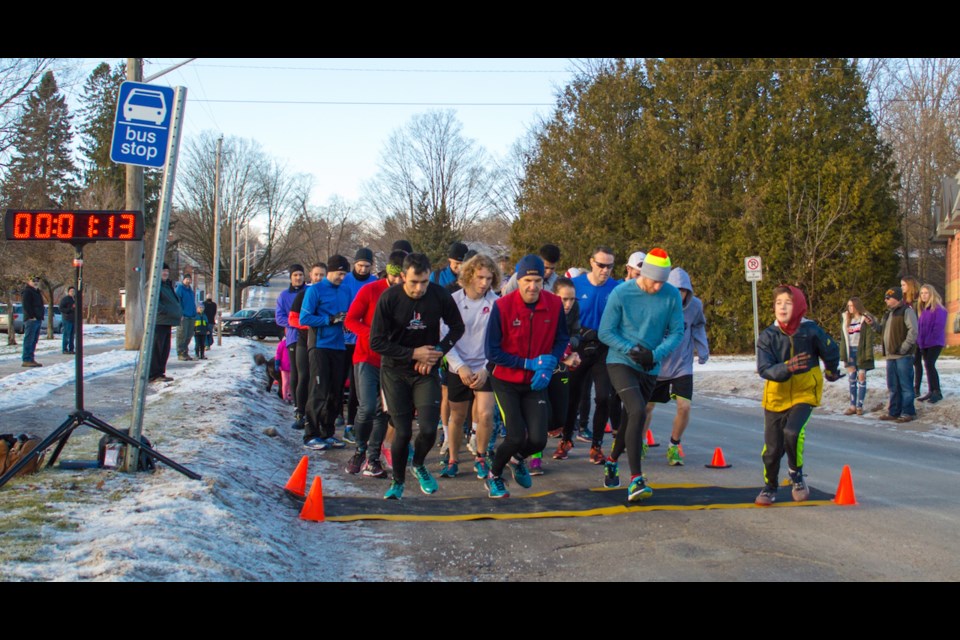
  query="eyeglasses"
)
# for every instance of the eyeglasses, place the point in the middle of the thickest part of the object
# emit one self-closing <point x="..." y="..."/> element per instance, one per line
<point x="600" y="265"/>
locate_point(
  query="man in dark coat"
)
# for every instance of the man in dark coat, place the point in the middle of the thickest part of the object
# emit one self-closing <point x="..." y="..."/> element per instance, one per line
<point x="68" y="307"/>
<point x="32" y="317"/>
<point x="168" y="316"/>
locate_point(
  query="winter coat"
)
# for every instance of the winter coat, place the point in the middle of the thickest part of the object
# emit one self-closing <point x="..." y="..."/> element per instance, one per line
<point x="169" y="311"/>
<point x="680" y="362"/>
<point x="868" y="335"/>
<point x="783" y="389"/>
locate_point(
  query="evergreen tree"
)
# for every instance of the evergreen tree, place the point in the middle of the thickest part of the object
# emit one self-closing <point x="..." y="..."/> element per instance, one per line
<point x="42" y="171"/>
<point x="96" y="133"/>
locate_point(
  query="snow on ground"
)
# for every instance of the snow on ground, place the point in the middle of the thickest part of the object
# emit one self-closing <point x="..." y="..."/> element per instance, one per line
<point x="235" y="523"/>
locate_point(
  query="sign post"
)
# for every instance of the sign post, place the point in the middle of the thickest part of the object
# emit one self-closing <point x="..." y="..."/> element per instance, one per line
<point x="753" y="268"/>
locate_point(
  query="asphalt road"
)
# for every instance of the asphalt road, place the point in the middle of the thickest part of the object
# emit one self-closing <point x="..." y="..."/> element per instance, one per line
<point x="904" y="527"/>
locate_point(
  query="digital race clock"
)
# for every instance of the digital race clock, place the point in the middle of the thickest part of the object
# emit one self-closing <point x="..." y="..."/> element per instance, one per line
<point x="73" y="226"/>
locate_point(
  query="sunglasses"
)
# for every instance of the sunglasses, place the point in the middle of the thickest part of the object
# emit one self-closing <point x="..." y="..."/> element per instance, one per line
<point x="600" y="265"/>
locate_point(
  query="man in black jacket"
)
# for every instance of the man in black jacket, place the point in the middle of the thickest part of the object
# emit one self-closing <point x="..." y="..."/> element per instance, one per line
<point x="68" y="306"/>
<point x="32" y="317"/>
<point x="168" y="315"/>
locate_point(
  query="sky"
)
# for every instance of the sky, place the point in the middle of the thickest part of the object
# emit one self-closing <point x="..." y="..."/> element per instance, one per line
<point x="331" y="117"/>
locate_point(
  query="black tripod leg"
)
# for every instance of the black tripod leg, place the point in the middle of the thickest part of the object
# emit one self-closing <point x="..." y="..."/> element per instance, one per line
<point x="103" y="426"/>
<point x="61" y="433"/>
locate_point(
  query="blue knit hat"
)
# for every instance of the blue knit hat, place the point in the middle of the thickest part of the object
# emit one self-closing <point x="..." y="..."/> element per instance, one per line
<point x="530" y="265"/>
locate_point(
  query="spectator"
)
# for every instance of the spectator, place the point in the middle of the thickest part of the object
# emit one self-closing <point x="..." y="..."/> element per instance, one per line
<point x="68" y="306"/>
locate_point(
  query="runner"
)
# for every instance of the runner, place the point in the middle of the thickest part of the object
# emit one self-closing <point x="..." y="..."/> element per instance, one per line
<point x="324" y="309"/>
<point x="559" y="389"/>
<point x="406" y="333"/>
<point x="526" y="336"/>
<point x="788" y="359"/>
<point x="676" y="370"/>
<point x="550" y="254"/>
<point x="467" y="374"/>
<point x="300" y="360"/>
<point x="371" y="422"/>
<point x="361" y="275"/>
<point x="642" y="324"/>
<point x="593" y="288"/>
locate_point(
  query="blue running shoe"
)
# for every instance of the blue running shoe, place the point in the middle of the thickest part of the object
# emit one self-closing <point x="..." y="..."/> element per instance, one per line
<point x="428" y="484"/>
<point x="395" y="492"/>
<point x="611" y="475"/>
<point x="496" y="488"/>
<point x="482" y="467"/>
<point x="521" y="475"/>
<point x="449" y="469"/>
<point x="585" y="435"/>
<point x="638" y="490"/>
<point x="335" y="443"/>
<point x="349" y="435"/>
<point x="317" y="444"/>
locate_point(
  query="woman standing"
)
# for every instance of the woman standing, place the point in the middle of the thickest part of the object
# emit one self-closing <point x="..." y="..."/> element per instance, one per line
<point x="911" y="296"/>
<point x="931" y="339"/>
<point x="856" y="351"/>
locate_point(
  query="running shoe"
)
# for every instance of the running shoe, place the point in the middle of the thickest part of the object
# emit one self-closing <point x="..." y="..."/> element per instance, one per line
<point x="387" y="454"/>
<point x="800" y="491"/>
<point x="555" y="433"/>
<point x="767" y="496"/>
<point x="395" y="492"/>
<point x="356" y="462"/>
<point x="536" y="467"/>
<point x="472" y="444"/>
<point x="373" y="469"/>
<point x="317" y="444"/>
<point x="298" y="421"/>
<point x="449" y="469"/>
<point x="334" y="442"/>
<point x="482" y="467"/>
<point x="611" y="475"/>
<point x="643" y="450"/>
<point x="349" y="435"/>
<point x="563" y="449"/>
<point x="428" y="484"/>
<point x="520" y="474"/>
<point x="496" y="488"/>
<point x="675" y="455"/>
<point x="596" y="455"/>
<point x="585" y="435"/>
<point x="638" y="490"/>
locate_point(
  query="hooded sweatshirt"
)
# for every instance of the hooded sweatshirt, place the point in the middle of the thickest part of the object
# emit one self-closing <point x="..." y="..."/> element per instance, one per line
<point x="680" y="362"/>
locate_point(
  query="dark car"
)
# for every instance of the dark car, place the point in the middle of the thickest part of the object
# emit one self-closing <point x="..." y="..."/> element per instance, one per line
<point x="248" y="323"/>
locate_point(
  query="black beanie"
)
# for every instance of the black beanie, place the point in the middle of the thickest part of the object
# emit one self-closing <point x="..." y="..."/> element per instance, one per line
<point x="338" y="263"/>
<point x="364" y="254"/>
<point x="457" y="251"/>
<point x="402" y="245"/>
<point x="295" y="267"/>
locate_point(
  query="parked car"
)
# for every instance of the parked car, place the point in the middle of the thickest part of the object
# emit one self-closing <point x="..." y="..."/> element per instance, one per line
<point x="18" y="319"/>
<point x="248" y="323"/>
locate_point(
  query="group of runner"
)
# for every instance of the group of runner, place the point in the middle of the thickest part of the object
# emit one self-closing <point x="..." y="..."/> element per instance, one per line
<point x="442" y="347"/>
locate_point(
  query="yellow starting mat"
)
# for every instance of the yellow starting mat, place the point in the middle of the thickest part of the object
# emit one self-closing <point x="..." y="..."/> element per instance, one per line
<point x="549" y="504"/>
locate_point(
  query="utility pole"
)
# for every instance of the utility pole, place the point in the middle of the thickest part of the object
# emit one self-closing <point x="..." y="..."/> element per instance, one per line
<point x="216" y="226"/>
<point x="133" y="278"/>
<point x="233" y="262"/>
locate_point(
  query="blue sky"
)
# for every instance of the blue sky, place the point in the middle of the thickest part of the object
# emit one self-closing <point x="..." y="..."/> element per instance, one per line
<point x="354" y="104"/>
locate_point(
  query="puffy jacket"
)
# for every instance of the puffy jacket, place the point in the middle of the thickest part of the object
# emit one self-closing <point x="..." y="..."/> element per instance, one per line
<point x="782" y="388"/>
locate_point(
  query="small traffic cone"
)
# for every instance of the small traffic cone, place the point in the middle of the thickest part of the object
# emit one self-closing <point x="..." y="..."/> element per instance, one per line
<point x="608" y="429"/>
<point x="650" y="441"/>
<point x="297" y="483"/>
<point x="313" y="507"/>
<point x="718" y="461"/>
<point x="845" y="493"/>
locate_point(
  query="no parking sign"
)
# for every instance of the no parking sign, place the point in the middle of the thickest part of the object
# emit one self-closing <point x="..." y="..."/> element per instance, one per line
<point x="754" y="268"/>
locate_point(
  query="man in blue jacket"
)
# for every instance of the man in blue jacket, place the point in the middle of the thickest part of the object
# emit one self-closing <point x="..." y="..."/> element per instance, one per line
<point x="325" y="306"/>
<point x="188" y="307"/>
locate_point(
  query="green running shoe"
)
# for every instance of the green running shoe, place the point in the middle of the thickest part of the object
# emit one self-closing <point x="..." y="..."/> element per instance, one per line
<point x="496" y="488"/>
<point x="428" y="484"/>
<point x="675" y="455"/>
<point x="611" y="475"/>
<point x="638" y="490"/>
<point x="395" y="492"/>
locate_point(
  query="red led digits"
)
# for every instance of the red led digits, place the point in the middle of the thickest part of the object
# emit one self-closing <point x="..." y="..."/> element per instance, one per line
<point x="73" y="226"/>
<point x="127" y="226"/>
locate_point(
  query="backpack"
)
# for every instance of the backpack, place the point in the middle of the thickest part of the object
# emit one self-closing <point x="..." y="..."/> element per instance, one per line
<point x="112" y="451"/>
<point x="15" y="448"/>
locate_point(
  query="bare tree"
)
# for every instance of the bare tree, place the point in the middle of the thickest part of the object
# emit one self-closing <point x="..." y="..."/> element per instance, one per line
<point x="432" y="181"/>
<point x="917" y="106"/>
<point x="331" y="229"/>
<point x="17" y="79"/>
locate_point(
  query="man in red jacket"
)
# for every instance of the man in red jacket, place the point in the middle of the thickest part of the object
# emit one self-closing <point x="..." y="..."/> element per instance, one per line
<point x="371" y="423"/>
<point x="526" y="337"/>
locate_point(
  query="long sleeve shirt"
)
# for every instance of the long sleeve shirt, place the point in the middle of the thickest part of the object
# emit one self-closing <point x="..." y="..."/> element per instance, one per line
<point x="401" y="324"/>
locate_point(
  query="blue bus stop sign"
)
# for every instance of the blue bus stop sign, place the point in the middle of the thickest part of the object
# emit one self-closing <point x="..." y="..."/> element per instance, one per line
<point x="142" y="126"/>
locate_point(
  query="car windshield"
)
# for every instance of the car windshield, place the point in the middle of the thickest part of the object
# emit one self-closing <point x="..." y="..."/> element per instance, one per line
<point x="244" y="313"/>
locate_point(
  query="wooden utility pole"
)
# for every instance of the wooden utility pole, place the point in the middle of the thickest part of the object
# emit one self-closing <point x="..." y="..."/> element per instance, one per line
<point x="133" y="277"/>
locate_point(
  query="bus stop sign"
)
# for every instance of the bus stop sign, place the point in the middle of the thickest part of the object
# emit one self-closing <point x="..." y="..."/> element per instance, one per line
<point x="142" y="126"/>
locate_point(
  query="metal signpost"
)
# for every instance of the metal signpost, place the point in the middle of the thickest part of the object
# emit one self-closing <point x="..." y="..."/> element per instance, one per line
<point x="753" y="267"/>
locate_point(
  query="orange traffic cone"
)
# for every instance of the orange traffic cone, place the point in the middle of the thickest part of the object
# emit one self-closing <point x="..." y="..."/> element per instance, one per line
<point x="313" y="507"/>
<point x="718" y="461"/>
<point x="650" y="441"/>
<point x="845" y="493"/>
<point x="297" y="483"/>
<point x="608" y="429"/>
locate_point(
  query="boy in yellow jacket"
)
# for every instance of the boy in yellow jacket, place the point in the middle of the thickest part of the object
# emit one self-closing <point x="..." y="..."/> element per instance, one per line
<point x="788" y="355"/>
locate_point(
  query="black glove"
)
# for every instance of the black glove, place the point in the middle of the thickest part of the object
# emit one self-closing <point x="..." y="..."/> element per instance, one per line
<point x="798" y="362"/>
<point x="642" y="356"/>
<point x="832" y="376"/>
<point x="339" y="318"/>
<point x="589" y="343"/>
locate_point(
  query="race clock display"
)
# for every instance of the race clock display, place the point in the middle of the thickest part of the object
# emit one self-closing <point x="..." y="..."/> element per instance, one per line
<point x="73" y="226"/>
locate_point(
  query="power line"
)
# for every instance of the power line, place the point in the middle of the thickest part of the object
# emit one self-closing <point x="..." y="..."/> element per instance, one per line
<point x="383" y="104"/>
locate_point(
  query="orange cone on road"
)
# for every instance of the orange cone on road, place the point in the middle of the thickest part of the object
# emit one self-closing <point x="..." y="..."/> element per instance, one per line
<point x="845" y="493"/>
<point x="297" y="484"/>
<point x="608" y="428"/>
<point x="650" y="441"/>
<point x="313" y="507"/>
<point x="718" y="461"/>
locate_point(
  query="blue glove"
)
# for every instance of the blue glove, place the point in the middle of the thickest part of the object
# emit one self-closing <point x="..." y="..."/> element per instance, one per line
<point x="703" y="359"/>
<point x="541" y="379"/>
<point x="546" y="361"/>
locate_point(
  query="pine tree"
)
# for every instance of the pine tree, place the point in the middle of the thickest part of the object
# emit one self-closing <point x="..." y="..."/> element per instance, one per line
<point x="42" y="171"/>
<point x="97" y="115"/>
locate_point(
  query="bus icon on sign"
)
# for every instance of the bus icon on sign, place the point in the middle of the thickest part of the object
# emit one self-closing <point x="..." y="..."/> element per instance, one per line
<point x="145" y="105"/>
